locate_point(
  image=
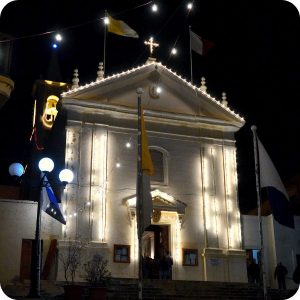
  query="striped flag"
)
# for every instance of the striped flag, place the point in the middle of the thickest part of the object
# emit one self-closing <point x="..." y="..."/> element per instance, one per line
<point x="199" y="44"/>
<point x="196" y="43"/>
<point x="49" y="203"/>
<point x="277" y="195"/>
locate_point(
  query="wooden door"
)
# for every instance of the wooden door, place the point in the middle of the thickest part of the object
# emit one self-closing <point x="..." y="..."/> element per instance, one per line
<point x="25" y="265"/>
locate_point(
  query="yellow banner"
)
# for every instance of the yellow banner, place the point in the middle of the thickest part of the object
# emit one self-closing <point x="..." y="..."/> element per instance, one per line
<point x="120" y="28"/>
<point x="147" y="164"/>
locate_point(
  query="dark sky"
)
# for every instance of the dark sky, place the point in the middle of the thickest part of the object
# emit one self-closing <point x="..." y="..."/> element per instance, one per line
<point x="255" y="60"/>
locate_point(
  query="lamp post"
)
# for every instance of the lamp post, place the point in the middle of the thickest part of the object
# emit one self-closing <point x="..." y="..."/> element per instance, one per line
<point x="46" y="165"/>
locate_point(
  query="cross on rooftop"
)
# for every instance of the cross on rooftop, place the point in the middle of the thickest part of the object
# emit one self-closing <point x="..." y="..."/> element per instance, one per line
<point x="151" y="45"/>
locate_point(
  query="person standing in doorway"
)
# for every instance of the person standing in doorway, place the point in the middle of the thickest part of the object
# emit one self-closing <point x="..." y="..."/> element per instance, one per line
<point x="254" y="272"/>
<point x="170" y="264"/>
<point x="165" y="266"/>
<point x="280" y="273"/>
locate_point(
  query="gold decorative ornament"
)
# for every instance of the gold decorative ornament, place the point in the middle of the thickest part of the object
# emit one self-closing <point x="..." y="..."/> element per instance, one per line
<point x="156" y="215"/>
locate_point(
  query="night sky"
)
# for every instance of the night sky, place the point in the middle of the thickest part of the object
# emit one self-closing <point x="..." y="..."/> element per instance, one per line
<point x="255" y="60"/>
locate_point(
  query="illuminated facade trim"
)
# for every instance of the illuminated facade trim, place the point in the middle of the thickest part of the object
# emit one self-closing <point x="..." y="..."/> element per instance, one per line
<point x="196" y="208"/>
<point x="164" y="68"/>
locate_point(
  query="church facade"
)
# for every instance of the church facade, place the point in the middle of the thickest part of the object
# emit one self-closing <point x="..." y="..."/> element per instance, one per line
<point x="194" y="189"/>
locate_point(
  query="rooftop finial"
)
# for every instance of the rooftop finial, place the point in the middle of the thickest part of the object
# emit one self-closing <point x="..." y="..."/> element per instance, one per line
<point x="100" y="72"/>
<point x="203" y="87"/>
<point x="75" y="79"/>
<point x="224" y="99"/>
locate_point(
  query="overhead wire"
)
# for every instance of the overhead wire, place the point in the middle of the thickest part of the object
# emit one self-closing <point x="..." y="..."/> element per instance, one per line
<point x="71" y="26"/>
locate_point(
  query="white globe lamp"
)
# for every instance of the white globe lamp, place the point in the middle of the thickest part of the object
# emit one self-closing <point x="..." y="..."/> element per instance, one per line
<point x="66" y="176"/>
<point x="46" y="164"/>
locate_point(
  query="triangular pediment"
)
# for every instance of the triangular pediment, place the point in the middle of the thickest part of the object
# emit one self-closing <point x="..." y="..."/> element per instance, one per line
<point x="178" y="96"/>
<point x="161" y="201"/>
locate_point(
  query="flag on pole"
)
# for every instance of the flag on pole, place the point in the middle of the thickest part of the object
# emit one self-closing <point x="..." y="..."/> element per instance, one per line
<point x="199" y="44"/>
<point x="277" y="195"/>
<point x="49" y="203"/>
<point x="196" y="43"/>
<point x="120" y="28"/>
<point x="147" y="171"/>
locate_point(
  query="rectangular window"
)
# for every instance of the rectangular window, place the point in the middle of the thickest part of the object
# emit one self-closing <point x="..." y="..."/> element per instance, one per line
<point x="158" y="164"/>
<point x="122" y="253"/>
<point x="189" y="257"/>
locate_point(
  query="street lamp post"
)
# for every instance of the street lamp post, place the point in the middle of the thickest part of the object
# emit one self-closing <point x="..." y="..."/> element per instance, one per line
<point x="46" y="165"/>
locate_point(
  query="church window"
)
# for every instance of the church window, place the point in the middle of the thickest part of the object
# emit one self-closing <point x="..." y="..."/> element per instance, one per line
<point x="160" y="168"/>
<point x="122" y="253"/>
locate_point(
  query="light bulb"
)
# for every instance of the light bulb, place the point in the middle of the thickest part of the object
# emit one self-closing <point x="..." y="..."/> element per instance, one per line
<point x="58" y="37"/>
<point x="106" y="20"/>
<point x="174" y="51"/>
<point x="154" y="7"/>
<point x="128" y="145"/>
<point x="189" y="6"/>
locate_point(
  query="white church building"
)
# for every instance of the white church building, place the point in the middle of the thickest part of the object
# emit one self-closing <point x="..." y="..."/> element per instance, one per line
<point x="194" y="189"/>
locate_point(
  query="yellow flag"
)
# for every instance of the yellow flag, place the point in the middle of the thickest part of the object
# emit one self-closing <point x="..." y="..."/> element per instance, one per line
<point x="120" y="28"/>
<point x="147" y="164"/>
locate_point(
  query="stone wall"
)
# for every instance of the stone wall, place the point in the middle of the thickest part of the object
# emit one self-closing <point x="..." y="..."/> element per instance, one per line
<point x="17" y="222"/>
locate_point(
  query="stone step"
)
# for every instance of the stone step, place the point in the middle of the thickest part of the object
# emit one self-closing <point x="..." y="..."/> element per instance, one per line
<point x="167" y="290"/>
<point x="127" y="289"/>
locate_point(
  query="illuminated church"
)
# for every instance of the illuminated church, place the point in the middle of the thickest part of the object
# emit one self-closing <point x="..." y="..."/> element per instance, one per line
<point x="194" y="188"/>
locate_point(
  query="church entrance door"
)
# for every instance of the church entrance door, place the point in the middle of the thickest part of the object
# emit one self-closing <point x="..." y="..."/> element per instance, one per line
<point x="156" y="242"/>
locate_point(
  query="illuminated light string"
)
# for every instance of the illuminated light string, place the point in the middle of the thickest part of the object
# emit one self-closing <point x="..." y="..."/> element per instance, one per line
<point x="128" y="143"/>
<point x="154" y="8"/>
<point x="124" y="73"/>
<point x="71" y="27"/>
<point x="87" y="204"/>
<point x="174" y="50"/>
<point x="58" y="37"/>
<point x="118" y="165"/>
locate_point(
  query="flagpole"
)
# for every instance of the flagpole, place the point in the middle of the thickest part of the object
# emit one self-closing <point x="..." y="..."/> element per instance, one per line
<point x="191" y="57"/>
<point x="104" y="50"/>
<point x="35" y="282"/>
<point x="258" y="188"/>
<point x="139" y="201"/>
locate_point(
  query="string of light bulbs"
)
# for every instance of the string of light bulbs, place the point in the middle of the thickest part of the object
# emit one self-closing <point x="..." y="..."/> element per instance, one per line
<point x="127" y="145"/>
<point x="58" y="37"/>
<point x="117" y="165"/>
